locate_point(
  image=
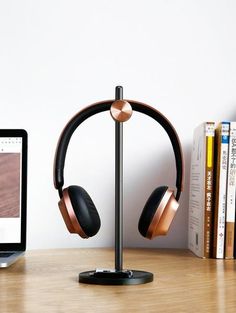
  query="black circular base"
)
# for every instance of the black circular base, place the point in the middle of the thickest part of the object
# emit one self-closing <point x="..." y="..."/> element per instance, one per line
<point x="138" y="277"/>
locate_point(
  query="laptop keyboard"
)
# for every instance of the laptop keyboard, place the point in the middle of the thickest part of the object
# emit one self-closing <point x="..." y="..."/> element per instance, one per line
<point x="5" y="254"/>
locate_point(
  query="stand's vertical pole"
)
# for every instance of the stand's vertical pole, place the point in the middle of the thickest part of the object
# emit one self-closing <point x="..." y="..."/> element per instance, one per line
<point x="119" y="188"/>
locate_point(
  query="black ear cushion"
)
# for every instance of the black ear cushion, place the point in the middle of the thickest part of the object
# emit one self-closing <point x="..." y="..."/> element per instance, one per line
<point x="85" y="210"/>
<point x="150" y="209"/>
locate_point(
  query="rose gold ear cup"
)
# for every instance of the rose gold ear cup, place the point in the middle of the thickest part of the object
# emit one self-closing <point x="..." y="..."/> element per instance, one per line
<point x="69" y="216"/>
<point x="163" y="216"/>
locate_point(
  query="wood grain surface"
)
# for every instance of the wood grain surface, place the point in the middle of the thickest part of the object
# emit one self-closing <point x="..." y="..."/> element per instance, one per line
<point x="9" y="184"/>
<point x="46" y="281"/>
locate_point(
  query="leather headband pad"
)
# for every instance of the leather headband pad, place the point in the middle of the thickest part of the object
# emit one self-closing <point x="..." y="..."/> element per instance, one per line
<point x="102" y="106"/>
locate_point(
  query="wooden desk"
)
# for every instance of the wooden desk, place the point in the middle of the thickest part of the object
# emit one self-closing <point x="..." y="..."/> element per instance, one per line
<point x="46" y="281"/>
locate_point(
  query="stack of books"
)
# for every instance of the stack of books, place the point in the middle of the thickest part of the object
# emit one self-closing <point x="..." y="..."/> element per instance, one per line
<point x="212" y="195"/>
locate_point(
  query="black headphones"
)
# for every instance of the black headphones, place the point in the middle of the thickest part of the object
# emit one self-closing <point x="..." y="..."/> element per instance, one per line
<point x="77" y="207"/>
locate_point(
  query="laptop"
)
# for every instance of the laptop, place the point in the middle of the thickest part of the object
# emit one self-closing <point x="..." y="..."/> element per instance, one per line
<point x="13" y="193"/>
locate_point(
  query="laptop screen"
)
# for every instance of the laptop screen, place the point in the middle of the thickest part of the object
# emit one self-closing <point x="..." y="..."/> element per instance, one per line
<point x="12" y="189"/>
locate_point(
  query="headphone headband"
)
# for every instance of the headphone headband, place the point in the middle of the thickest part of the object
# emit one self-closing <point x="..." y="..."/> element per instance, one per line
<point x="102" y="106"/>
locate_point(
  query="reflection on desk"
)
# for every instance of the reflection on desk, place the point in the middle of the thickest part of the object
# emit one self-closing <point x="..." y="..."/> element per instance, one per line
<point x="47" y="281"/>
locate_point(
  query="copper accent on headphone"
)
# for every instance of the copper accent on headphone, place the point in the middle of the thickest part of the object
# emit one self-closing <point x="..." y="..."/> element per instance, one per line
<point x="121" y="110"/>
<point x="163" y="216"/>
<point x="69" y="216"/>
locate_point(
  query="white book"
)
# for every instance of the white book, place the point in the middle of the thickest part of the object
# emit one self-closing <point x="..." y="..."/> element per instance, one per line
<point x="231" y="185"/>
<point x="222" y="140"/>
<point x="201" y="190"/>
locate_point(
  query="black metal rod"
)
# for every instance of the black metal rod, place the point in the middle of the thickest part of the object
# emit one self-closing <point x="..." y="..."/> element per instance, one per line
<point x="119" y="93"/>
<point x="119" y="188"/>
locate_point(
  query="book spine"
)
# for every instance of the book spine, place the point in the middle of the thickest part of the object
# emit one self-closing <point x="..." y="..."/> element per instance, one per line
<point x="209" y="163"/>
<point x="231" y="185"/>
<point x="196" y="192"/>
<point x="235" y="233"/>
<point x="221" y="192"/>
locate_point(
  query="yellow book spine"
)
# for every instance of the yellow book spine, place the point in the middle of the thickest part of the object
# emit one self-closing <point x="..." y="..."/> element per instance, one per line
<point x="208" y="188"/>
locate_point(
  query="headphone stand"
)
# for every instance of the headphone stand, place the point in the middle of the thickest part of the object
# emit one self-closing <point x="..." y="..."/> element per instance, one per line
<point x="117" y="276"/>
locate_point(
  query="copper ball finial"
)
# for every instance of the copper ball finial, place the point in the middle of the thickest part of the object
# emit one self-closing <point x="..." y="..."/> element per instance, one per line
<point x="121" y="110"/>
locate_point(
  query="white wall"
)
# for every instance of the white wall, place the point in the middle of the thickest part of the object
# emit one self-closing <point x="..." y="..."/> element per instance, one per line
<point x="58" y="56"/>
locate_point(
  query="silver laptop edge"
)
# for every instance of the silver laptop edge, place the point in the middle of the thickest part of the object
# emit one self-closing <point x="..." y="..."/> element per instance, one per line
<point x="5" y="262"/>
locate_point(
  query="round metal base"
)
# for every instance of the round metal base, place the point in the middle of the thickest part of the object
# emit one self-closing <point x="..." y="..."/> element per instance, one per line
<point x="138" y="277"/>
